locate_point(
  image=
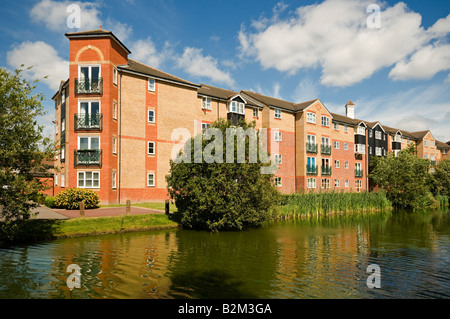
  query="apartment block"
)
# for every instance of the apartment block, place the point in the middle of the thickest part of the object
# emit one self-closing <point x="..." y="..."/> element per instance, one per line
<point x="118" y="123"/>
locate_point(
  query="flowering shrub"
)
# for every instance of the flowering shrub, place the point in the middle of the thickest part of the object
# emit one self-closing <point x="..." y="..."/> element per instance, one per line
<point x="70" y="198"/>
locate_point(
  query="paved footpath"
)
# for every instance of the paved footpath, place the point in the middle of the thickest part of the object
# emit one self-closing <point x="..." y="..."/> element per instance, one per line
<point x="47" y="213"/>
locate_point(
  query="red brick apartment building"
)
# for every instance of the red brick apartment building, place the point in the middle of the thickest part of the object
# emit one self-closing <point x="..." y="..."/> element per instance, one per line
<point x="115" y="118"/>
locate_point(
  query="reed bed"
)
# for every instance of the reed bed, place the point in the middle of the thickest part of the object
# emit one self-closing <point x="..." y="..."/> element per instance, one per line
<point x="329" y="203"/>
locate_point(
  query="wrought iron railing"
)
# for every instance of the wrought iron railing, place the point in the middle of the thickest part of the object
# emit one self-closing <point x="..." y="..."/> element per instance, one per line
<point x="311" y="148"/>
<point x="358" y="172"/>
<point x="91" y="122"/>
<point x="88" y="157"/>
<point x="326" y="170"/>
<point x="325" y="149"/>
<point x="89" y="86"/>
<point x="312" y="169"/>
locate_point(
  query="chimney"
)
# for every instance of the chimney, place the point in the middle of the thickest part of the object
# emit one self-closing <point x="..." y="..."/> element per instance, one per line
<point x="350" y="109"/>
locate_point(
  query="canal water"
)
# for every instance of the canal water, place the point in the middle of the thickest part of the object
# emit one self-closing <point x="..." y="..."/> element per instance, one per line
<point x="316" y="258"/>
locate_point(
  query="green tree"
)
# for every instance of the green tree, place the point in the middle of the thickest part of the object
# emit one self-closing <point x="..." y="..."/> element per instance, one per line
<point x="224" y="194"/>
<point x="440" y="181"/>
<point x="404" y="178"/>
<point x="22" y="146"/>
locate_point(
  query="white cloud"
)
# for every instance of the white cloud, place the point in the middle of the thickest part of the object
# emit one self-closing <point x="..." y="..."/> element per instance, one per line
<point x="145" y="52"/>
<point x="44" y="59"/>
<point x="54" y="16"/>
<point x="306" y="90"/>
<point x="121" y="30"/>
<point x="196" y="64"/>
<point x="334" y="36"/>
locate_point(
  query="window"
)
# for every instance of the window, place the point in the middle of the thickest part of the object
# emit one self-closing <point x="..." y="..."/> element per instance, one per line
<point x="278" y="182"/>
<point x="432" y="158"/>
<point x="361" y="130"/>
<point x="337" y="183"/>
<point x="326" y="183"/>
<point x="311" y="183"/>
<point x="63" y="125"/>
<point x="336" y="126"/>
<point x="63" y="153"/>
<point x="115" y="76"/>
<point x="425" y="142"/>
<point x="336" y="145"/>
<point x="236" y="107"/>
<point x="346" y="146"/>
<point x="346" y="183"/>
<point x="88" y="179"/>
<point x="151" y="116"/>
<point x="114" y="145"/>
<point x="255" y="112"/>
<point x="277" y="136"/>
<point x="150" y="179"/>
<point x="346" y="164"/>
<point x="337" y="163"/>
<point x="114" y="180"/>
<point x="56" y="179"/>
<point x="378" y="151"/>
<point x="384" y="137"/>
<point x="88" y="143"/>
<point x="311" y="139"/>
<point x="360" y="148"/>
<point x="398" y="138"/>
<point x="311" y="118"/>
<point x="206" y="103"/>
<point x="431" y="143"/>
<point x="277" y="114"/>
<point x="426" y="156"/>
<point x="358" y="184"/>
<point x="311" y="162"/>
<point x="378" y="135"/>
<point x="358" y="166"/>
<point x="151" y="148"/>
<point x="325" y="120"/>
<point x="205" y="126"/>
<point x="114" y="110"/>
<point x="151" y="85"/>
<point x="277" y="158"/>
<point x="370" y="133"/>
<point x="63" y="96"/>
<point x="325" y="141"/>
<point x="63" y="180"/>
<point x="370" y="150"/>
<point x="345" y="128"/>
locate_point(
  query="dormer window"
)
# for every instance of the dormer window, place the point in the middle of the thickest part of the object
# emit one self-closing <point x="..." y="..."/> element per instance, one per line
<point x="361" y="130"/>
<point x="236" y="107"/>
<point x="206" y="103"/>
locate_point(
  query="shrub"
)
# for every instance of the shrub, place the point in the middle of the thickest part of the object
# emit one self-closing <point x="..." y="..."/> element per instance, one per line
<point x="49" y="201"/>
<point x="70" y="198"/>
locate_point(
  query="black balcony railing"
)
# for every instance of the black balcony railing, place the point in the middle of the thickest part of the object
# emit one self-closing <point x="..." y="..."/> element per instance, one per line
<point x="325" y="149"/>
<point x="89" y="86"/>
<point x="88" y="122"/>
<point x="88" y="157"/>
<point x="311" y="169"/>
<point x="311" y="148"/>
<point x="326" y="170"/>
<point x="359" y="173"/>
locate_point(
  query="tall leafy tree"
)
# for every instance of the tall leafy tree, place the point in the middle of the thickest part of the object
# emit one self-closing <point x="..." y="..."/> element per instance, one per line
<point x="440" y="181"/>
<point x="404" y="178"/>
<point x="215" y="189"/>
<point x="22" y="145"/>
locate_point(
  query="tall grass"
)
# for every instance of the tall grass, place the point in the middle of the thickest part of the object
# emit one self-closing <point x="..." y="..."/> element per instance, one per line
<point x="324" y="203"/>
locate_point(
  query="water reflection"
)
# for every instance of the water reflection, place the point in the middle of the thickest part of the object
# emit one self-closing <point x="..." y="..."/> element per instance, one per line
<point x="315" y="258"/>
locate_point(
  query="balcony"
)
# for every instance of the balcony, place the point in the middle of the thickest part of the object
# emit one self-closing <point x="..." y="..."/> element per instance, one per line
<point x="311" y="169"/>
<point x="88" y="122"/>
<point x="89" y="86"/>
<point x="359" y="173"/>
<point x="88" y="157"/>
<point x="311" y="148"/>
<point x="326" y="170"/>
<point x="360" y="149"/>
<point x="325" y="149"/>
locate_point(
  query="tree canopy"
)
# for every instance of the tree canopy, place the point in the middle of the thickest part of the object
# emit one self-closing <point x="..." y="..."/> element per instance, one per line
<point x="22" y="145"/>
<point x="217" y="190"/>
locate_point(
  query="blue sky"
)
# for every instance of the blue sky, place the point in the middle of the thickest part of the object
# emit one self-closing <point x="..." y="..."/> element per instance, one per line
<point x="397" y="73"/>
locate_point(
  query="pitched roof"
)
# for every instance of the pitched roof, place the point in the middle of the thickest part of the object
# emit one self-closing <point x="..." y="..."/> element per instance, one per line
<point x="270" y="101"/>
<point x="143" y="69"/>
<point x="346" y="119"/>
<point x="97" y="33"/>
<point x="442" y="145"/>
<point x="419" y="135"/>
<point x="304" y="105"/>
<point x="212" y="91"/>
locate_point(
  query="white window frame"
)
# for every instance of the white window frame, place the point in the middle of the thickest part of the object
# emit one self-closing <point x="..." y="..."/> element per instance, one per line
<point x="425" y="143"/>
<point x="148" y="148"/>
<point x="277" y="114"/>
<point x="378" y="135"/>
<point x="90" y="66"/>
<point x="345" y="146"/>
<point x="311" y="183"/>
<point x="63" y="125"/>
<point x="148" y="116"/>
<point x="337" y="183"/>
<point x="114" y="76"/>
<point x="151" y="84"/>
<point x="114" y="179"/>
<point x="56" y="179"/>
<point x="278" y="159"/>
<point x="114" y="145"/>
<point x="205" y="126"/>
<point x="378" y="151"/>
<point x="63" y="152"/>
<point x="278" y="181"/>
<point x="84" y="179"/>
<point x="345" y="128"/>
<point x="236" y="107"/>
<point x="114" y="110"/>
<point x="255" y="112"/>
<point x="361" y="130"/>
<point x="90" y="143"/>
<point x="337" y="145"/>
<point x="311" y="117"/>
<point x="206" y="103"/>
<point x="358" y="166"/>
<point x="325" y="181"/>
<point x="370" y="133"/>
<point x="336" y="126"/>
<point x="278" y="136"/>
<point x="337" y="163"/>
<point x="153" y="180"/>
<point x="346" y="165"/>
<point x="346" y="183"/>
<point x="311" y="138"/>
<point x="431" y="143"/>
<point x="63" y="180"/>
<point x="325" y="120"/>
